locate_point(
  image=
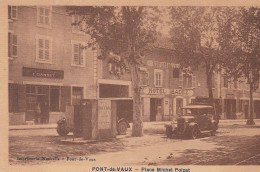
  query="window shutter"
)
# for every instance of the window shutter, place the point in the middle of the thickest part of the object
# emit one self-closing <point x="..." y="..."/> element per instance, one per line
<point x="9" y="45"/>
<point x="14" y="12"/>
<point x="47" y="49"/>
<point x="193" y="81"/>
<point x="9" y="12"/>
<point x="76" y="53"/>
<point x="41" y="51"/>
<point x="14" y="48"/>
<point x="66" y="97"/>
<point x="81" y="50"/>
<point x="47" y="14"/>
<point x="181" y="79"/>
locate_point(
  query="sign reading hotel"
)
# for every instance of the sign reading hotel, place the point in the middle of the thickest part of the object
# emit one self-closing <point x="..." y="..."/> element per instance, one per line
<point x="155" y="91"/>
<point x="104" y="114"/>
<point x="152" y="63"/>
<point x="43" y="73"/>
<point x="182" y="92"/>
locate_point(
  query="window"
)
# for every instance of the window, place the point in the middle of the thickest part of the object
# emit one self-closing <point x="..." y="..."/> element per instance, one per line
<point x="44" y="16"/>
<point x="176" y="73"/>
<point x="78" y="54"/>
<point x="77" y="95"/>
<point x="187" y="81"/>
<point x="12" y="12"/>
<point x="12" y="45"/>
<point x="43" y="49"/>
<point x="54" y="98"/>
<point x="144" y="78"/>
<point x="158" y="78"/>
<point x="77" y="27"/>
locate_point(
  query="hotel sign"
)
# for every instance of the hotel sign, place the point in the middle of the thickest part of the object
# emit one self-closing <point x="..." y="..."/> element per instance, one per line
<point x="43" y="73"/>
<point x="182" y="92"/>
<point x="162" y="64"/>
<point x="155" y="91"/>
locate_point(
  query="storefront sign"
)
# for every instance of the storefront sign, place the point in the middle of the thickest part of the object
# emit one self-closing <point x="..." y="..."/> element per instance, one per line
<point x="155" y="91"/>
<point x="43" y="73"/>
<point x="104" y="114"/>
<point x="162" y="64"/>
<point x="182" y="92"/>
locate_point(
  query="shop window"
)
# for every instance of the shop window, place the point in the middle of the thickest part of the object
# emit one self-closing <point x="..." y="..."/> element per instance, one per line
<point x="144" y="78"/>
<point x="77" y="95"/>
<point x="12" y="12"/>
<point x="78" y="54"/>
<point x="158" y="78"/>
<point x="13" y="97"/>
<point x="12" y="45"/>
<point x="54" y="98"/>
<point x="43" y="49"/>
<point x="44" y="16"/>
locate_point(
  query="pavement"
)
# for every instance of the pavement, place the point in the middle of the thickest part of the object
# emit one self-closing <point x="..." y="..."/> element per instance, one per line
<point x="54" y="126"/>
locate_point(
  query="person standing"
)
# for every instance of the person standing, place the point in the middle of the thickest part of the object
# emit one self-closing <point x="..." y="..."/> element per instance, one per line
<point x="38" y="113"/>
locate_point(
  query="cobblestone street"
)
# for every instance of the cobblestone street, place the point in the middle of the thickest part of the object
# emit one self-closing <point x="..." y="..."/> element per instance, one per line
<point x="234" y="144"/>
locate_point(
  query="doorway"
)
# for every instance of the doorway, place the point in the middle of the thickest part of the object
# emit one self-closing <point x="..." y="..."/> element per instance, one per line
<point x="155" y="108"/>
<point x="179" y="105"/>
<point x="257" y="108"/>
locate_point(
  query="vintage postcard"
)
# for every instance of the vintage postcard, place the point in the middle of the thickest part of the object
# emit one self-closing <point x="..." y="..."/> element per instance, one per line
<point x="152" y="86"/>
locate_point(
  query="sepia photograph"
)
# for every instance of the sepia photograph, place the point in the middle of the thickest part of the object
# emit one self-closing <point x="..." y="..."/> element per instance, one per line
<point x="146" y="88"/>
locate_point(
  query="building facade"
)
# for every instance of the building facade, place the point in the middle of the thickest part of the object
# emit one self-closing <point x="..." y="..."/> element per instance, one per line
<point x="47" y="64"/>
<point x="48" y="67"/>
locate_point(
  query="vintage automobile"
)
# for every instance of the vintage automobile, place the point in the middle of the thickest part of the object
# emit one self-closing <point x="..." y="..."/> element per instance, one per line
<point x="194" y="120"/>
<point x="65" y="126"/>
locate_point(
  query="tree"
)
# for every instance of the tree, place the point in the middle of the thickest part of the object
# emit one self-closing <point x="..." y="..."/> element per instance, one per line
<point x="197" y="35"/>
<point x="121" y="31"/>
<point x="244" y="60"/>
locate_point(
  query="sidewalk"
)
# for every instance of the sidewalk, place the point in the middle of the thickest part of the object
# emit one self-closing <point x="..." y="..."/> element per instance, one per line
<point x="35" y="126"/>
<point x="146" y="124"/>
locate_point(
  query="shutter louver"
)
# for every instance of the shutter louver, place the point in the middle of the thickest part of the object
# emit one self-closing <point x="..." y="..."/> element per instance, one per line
<point x="47" y="49"/>
<point x="14" y="48"/>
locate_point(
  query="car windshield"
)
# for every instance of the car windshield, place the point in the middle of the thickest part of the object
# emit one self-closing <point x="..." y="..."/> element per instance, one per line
<point x="194" y="111"/>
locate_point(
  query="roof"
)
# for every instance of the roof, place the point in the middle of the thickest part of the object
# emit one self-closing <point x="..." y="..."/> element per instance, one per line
<point x="197" y="107"/>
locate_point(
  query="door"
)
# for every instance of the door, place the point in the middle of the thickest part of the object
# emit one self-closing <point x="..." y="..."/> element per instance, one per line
<point x="179" y="105"/>
<point x="246" y="108"/>
<point x="152" y="110"/>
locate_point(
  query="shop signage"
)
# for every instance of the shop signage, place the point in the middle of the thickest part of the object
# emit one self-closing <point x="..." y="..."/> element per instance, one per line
<point x="162" y="64"/>
<point x="104" y="114"/>
<point x="155" y="91"/>
<point x="182" y="92"/>
<point x="43" y="73"/>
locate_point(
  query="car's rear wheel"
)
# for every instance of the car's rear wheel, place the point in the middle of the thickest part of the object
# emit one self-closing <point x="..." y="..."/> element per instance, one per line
<point x="194" y="132"/>
<point x="61" y="130"/>
<point x="122" y="127"/>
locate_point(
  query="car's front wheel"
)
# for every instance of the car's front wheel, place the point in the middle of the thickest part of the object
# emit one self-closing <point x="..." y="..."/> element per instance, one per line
<point x="194" y="132"/>
<point x="122" y="127"/>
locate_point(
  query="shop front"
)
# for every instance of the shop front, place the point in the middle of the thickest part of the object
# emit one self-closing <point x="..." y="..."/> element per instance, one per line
<point x="155" y="104"/>
<point x="41" y="97"/>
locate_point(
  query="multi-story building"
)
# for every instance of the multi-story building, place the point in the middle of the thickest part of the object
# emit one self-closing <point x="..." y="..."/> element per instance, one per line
<point x="46" y="62"/>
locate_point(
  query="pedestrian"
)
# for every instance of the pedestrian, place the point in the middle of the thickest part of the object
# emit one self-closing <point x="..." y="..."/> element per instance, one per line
<point x="38" y="113"/>
<point x="44" y="111"/>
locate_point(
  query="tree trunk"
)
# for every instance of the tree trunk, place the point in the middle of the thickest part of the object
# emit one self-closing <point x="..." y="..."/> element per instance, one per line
<point x="137" y="129"/>
<point x="250" y="121"/>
